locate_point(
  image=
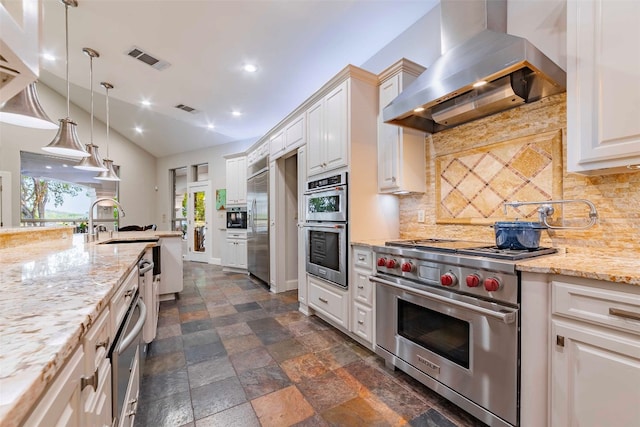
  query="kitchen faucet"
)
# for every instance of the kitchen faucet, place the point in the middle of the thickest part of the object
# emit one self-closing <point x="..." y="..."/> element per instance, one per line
<point x="92" y="234"/>
<point x="545" y="210"/>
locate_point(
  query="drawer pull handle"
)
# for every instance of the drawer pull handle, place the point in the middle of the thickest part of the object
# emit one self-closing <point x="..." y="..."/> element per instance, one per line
<point x="624" y="313"/>
<point x="360" y="287"/>
<point x="360" y="257"/>
<point x="129" y="292"/>
<point x="323" y="300"/>
<point x="360" y="322"/>
<point x="559" y="340"/>
<point x="104" y="344"/>
<point x="90" y="381"/>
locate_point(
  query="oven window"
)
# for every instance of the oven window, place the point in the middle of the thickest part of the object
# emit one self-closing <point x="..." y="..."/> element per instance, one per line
<point x="444" y="335"/>
<point x="324" y="249"/>
<point x="324" y="204"/>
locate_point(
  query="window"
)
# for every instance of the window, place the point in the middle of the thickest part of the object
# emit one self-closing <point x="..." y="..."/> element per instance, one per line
<point x="53" y="192"/>
<point x="201" y="172"/>
<point x="179" y="200"/>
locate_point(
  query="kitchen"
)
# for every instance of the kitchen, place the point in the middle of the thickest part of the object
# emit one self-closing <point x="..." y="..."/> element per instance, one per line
<point x="615" y="195"/>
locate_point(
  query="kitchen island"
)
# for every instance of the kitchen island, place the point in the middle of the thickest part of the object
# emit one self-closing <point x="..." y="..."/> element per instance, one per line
<point x="52" y="293"/>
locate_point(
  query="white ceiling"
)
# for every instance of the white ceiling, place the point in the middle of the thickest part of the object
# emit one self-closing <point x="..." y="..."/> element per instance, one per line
<point x="297" y="45"/>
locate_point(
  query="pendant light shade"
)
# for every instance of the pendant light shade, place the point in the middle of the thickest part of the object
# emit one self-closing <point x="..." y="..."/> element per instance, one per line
<point x="24" y="109"/>
<point x="110" y="173"/>
<point x="66" y="142"/>
<point x="93" y="162"/>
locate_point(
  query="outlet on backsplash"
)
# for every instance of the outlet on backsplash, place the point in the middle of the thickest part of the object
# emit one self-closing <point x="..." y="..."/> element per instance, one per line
<point x="421" y="215"/>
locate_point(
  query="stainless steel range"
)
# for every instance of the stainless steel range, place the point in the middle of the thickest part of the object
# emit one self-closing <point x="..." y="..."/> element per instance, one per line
<point x="448" y="314"/>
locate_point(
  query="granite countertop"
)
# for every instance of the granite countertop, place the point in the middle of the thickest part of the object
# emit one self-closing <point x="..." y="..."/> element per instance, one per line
<point x="52" y="292"/>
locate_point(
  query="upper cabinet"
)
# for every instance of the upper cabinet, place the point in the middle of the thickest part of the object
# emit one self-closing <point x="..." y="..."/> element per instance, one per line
<point x="237" y="181"/>
<point x="603" y="94"/>
<point x="289" y="138"/>
<point x="401" y="151"/>
<point x="19" y="46"/>
<point x="328" y="131"/>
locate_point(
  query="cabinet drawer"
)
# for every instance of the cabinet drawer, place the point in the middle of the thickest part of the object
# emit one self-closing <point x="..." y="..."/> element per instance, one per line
<point x="363" y="258"/>
<point x="363" y="288"/>
<point x="97" y="341"/>
<point x="329" y="300"/>
<point x="122" y="300"/>
<point x="362" y="324"/>
<point x="617" y="309"/>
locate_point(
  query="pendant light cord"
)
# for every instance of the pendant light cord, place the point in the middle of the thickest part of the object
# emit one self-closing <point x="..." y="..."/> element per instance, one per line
<point x="107" y="88"/>
<point x="66" y="35"/>
<point x="91" y="88"/>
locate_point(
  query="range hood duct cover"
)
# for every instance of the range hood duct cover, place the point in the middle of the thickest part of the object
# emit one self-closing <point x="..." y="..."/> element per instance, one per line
<point x="481" y="50"/>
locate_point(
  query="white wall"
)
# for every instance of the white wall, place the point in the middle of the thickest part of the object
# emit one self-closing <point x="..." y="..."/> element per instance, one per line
<point x="214" y="156"/>
<point x="137" y="167"/>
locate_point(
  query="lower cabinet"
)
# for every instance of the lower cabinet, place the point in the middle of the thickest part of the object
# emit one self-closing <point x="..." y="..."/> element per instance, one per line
<point x="595" y="355"/>
<point x="362" y="295"/>
<point x="235" y="254"/>
<point x="329" y="300"/>
<point x="131" y="398"/>
<point x="171" y="280"/>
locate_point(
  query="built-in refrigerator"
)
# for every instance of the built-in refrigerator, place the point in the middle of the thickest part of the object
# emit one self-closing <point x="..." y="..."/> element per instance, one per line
<point x="258" y="220"/>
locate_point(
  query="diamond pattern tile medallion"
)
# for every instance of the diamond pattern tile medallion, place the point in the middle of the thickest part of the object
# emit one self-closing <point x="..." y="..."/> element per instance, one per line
<point x="472" y="185"/>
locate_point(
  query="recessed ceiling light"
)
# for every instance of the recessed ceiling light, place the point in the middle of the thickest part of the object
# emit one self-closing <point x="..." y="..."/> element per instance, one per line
<point x="418" y="110"/>
<point x="210" y="126"/>
<point x="138" y="129"/>
<point x="250" y="68"/>
<point x="236" y="113"/>
<point x="145" y="102"/>
<point x="48" y="57"/>
<point x="65" y="165"/>
<point x="48" y="167"/>
<point x="480" y="83"/>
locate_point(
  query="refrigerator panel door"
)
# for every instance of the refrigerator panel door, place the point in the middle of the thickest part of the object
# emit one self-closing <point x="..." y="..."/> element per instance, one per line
<point x="258" y="232"/>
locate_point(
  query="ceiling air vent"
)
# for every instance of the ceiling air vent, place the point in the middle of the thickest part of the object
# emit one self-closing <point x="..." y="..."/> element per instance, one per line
<point x="141" y="55"/>
<point x="186" y="108"/>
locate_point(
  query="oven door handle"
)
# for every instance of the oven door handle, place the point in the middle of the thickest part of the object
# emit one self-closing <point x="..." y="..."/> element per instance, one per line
<point x="144" y="266"/>
<point x="320" y="225"/>
<point x="507" y="318"/>
<point x="129" y="339"/>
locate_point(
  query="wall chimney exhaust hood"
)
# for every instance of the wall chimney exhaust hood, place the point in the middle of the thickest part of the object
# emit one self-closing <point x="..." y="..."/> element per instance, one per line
<point x="482" y="71"/>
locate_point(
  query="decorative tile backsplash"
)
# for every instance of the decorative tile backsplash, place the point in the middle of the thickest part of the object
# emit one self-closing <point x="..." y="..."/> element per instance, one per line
<point x="475" y="183"/>
<point x="616" y="196"/>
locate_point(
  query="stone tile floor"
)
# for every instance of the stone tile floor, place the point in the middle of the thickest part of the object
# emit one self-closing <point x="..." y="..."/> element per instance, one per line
<point x="230" y="353"/>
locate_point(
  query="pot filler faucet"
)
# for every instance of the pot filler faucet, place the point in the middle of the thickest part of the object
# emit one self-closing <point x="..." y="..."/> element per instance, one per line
<point x="92" y="234"/>
<point x="545" y="210"/>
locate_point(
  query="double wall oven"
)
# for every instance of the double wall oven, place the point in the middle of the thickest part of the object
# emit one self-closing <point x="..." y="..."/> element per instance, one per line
<point x="448" y="314"/>
<point x="325" y="225"/>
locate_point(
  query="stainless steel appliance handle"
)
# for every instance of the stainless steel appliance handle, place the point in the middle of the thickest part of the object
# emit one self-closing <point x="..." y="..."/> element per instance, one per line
<point x="507" y="318"/>
<point x="337" y="188"/>
<point x="319" y="225"/>
<point x="144" y="266"/>
<point x="128" y="340"/>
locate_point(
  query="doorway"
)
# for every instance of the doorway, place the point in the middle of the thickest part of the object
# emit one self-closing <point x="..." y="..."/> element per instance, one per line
<point x="198" y="233"/>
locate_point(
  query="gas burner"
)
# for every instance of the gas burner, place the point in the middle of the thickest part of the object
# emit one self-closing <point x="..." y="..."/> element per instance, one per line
<point x="508" y="254"/>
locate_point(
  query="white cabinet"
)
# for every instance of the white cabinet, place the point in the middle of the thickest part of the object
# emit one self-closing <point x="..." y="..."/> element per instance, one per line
<point x="97" y="397"/>
<point x="362" y="295"/>
<point x="295" y="133"/>
<point x="595" y="358"/>
<point x="171" y="275"/>
<point x="276" y="145"/>
<point x="328" y="131"/>
<point x="235" y="254"/>
<point x="237" y="181"/>
<point x="603" y="94"/>
<point x="401" y="151"/>
<point x="329" y="300"/>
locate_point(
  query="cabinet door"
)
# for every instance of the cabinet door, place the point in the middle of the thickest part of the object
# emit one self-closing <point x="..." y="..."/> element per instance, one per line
<point x="232" y="188"/>
<point x="603" y="94"/>
<point x="336" y="122"/>
<point x="315" y="139"/>
<point x="241" y="253"/>
<point x="363" y="322"/>
<point x="276" y="145"/>
<point x="388" y="140"/>
<point x="241" y="180"/>
<point x="295" y="133"/>
<point x="228" y="256"/>
<point x="62" y="404"/>
<point x="595" y="376"/>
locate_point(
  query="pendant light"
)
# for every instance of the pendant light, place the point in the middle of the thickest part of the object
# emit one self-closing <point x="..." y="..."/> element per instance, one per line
<point x="93" y="162"/>
<point x="110" y="174"/>
<point x="24" y="109"/>
<point x="66" y="142"/>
